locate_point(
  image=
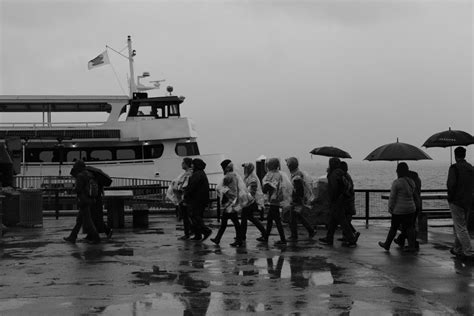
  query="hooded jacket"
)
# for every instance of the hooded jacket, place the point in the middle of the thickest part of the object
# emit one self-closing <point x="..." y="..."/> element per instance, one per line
<point x="197" y="192"/>
<point x="82" y="176"/>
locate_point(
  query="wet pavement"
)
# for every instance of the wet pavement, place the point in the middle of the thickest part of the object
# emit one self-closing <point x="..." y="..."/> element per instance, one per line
<point x="150" y="272"/>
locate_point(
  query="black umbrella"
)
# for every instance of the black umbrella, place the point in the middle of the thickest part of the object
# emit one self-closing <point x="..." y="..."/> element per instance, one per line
<point x="397" y="151"/>
<point x="102" y="178"/>
<point x="449" y="138"/>
<point x="330" y="151"/>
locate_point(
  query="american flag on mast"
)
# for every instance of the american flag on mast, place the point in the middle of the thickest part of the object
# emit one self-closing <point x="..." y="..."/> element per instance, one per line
<point x="100" y="60"/>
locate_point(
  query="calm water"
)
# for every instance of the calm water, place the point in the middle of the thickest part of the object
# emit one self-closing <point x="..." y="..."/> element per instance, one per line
<point x="380" y="174"/>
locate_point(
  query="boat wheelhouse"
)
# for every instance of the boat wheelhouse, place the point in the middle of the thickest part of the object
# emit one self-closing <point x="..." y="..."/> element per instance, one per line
<point x="141" y="137"/>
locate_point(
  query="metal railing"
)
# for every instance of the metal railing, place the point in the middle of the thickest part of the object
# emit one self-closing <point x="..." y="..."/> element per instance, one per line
<point x="369" y="203"/>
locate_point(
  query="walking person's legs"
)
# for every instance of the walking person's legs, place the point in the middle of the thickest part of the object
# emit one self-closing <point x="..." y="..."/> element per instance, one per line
<point x="222" y="228"/>
<point x="394" y="224"/>
<point x="238" y="230"/>
<point x="462" y="240"/>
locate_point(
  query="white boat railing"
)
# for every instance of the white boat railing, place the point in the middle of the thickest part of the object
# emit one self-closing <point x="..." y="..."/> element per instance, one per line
<point x="39" y="125"/>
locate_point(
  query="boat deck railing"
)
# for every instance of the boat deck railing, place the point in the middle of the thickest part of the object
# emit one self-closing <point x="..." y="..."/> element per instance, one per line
<point x="41" y="125"/>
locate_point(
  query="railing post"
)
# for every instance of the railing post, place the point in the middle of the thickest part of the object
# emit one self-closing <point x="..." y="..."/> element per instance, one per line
<point x="56" y="198"/>
<point x="367" y="209"/>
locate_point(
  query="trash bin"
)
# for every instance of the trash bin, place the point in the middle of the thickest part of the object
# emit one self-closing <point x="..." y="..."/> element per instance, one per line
<point x="140" y="215"/>
<point x="11" y="208"/>
<point x="31" y="207"/>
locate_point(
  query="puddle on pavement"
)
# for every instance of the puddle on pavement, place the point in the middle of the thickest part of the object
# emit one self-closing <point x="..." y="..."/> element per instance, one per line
<point x="13" y="303"/>
<point x="203" y="303"/>
<point x="95" y="253"/>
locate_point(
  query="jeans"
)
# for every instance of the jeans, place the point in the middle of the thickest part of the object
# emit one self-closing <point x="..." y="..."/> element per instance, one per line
<point x="338" y="216"/>
<point x="235" y="220"/>
<point x="184" y="211"/>
<point x="199" y="228"/>
<point x="298" y="216"/>
<point x="84" y="218"/>
<point x="247" y="214"/>
<point x="462" y="240"/>
<point x="274" y="215"/>
<point x="407" y="225"/>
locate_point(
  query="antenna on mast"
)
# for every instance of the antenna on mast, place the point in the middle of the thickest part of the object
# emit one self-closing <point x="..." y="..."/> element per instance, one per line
<point x="131" y="54"/>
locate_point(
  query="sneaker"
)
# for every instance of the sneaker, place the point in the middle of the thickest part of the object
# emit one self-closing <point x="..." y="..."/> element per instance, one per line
<point x="262" y="239"/>
<point x="312" y="234"/>
<point x="280" y="242"/>
<point x="206" y="235"/>
<point x="214" y="240"/>
<point x="384" y="246"/>
<point x="109" y="234"/>
<point x="185" y="237"/>
<point x="326" y="241"/>
<point x="196" y="237"/>
<point x="69" y="239"/>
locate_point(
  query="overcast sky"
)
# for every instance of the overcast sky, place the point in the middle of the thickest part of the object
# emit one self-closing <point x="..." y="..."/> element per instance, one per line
<point x="261" y="77"/>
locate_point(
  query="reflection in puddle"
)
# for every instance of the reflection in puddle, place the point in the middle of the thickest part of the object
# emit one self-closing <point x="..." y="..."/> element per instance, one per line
<point x="213" y="303"/>
<point x="321" y="278"/>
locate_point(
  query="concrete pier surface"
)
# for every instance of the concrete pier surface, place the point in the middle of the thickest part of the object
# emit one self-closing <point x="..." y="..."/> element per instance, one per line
<point x="150" y="272"/>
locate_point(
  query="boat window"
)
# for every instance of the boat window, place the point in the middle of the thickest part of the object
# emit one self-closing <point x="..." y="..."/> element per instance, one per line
<point x="97" y="155"/>
<point x="46" y="156"/>
<point x="125" y="154"/>
<point x="153" y="151"/>
<point x="187" y="149"/>
<point x="74" y="155"/>
<point x="173" y="110"/>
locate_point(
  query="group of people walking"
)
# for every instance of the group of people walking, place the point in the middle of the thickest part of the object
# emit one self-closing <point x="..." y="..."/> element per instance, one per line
<point x="247" y="196"/>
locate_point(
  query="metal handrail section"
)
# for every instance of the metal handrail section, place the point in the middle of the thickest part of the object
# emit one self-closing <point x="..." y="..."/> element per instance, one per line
<point x="368" y="202"/>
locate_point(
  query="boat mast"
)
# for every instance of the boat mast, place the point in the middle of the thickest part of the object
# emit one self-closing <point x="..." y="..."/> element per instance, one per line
<point x="131" y="54"/>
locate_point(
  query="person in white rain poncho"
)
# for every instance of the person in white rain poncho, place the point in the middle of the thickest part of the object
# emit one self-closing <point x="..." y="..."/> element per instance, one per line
<point x="234" y="197"/>
<point x="175" y="194"/>
<point x="256" y="202"/>
<point x="302" y="196"/>
<point x="277" y="189"/>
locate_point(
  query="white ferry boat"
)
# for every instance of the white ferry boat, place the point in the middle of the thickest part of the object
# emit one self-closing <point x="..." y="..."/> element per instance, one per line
<point x="142" y="137"/>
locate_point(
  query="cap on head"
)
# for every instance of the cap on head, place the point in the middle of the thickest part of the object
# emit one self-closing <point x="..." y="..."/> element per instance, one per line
<point x="225" y="163"/>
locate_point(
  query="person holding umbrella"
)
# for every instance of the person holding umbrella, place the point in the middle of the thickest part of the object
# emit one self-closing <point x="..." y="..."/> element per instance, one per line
<point x="459" y="184"/>
<point x="401" y="205"/>
<point x="337" y="200"/>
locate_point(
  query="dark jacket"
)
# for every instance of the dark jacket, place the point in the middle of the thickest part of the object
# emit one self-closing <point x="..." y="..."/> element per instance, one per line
<point x="335" y="185"/>
<point x="197" y="191"/>
<point x="297" y="179"/>
<point x="82" y="176"/>
<point x="460" y="182"/>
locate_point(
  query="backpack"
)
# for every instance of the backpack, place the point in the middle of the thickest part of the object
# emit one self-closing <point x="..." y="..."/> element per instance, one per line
<point x="92" y="188"/>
